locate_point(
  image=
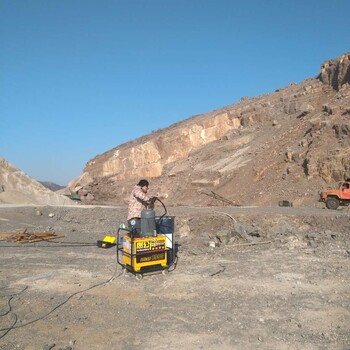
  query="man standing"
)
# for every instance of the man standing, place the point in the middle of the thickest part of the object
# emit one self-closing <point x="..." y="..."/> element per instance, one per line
<point x="138" y="201"/>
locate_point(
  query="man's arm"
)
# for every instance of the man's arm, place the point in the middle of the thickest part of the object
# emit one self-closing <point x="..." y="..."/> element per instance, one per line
<point x="139" y="194"/>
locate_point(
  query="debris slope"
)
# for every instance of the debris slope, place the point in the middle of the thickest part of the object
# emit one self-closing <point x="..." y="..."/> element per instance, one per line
<point x="286" y="145"/>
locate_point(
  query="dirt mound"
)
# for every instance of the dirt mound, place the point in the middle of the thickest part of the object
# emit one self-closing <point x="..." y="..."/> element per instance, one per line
<point x="16" y="187"/>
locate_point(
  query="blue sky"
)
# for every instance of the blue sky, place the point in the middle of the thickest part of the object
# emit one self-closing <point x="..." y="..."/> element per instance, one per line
<point x="79" y="77"/>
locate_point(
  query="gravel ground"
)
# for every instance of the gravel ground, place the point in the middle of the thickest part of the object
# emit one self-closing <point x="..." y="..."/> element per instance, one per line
<point x="246" y="278"/>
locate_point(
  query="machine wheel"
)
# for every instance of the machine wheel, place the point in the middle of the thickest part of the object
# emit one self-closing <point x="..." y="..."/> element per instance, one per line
<point x="165" y="272"/>
<point x="332" y="203"/>
<point x="139" y="276"/>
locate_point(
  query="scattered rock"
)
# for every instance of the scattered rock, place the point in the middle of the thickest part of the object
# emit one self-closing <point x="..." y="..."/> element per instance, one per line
<point x="49" y="346"/>
<point x="213" y="244"/>
<point x="294" y="242"/>
<point x="285" y="203"/>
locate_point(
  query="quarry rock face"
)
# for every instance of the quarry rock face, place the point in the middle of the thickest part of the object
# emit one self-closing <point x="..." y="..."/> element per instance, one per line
<point x="336" y="72"/>
<point x="285" y="145"/>
<point x="148" y="158"/>
<point x="16" y="187"/>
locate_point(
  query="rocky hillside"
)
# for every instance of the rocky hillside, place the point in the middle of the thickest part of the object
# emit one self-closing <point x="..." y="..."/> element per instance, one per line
<point x="16" y="187"/>
<point x="286" y="145"/>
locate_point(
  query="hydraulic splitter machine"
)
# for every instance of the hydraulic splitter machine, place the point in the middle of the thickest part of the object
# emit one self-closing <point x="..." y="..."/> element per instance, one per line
<point x="151" y="249"/>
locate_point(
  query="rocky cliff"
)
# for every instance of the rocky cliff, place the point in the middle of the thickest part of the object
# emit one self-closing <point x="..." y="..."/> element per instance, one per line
<point x="336" y="73"/>
<point x="287" y="144"/>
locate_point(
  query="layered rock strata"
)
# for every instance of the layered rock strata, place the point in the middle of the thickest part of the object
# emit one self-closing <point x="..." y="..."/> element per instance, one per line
<point x="294" y="134"/>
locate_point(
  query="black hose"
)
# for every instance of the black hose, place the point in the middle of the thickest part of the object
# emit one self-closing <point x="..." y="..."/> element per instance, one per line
<point x="165" y="210"/>
<point x="14" y="326"/>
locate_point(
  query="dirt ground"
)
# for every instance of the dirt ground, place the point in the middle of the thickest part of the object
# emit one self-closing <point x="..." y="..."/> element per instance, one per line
<point x="245" y="278"/>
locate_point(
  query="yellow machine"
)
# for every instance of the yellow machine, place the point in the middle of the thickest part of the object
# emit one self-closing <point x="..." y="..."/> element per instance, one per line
<point x="148" y="248"/>
<point x="108" y="242"/>
<point x="140" y="253"/>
